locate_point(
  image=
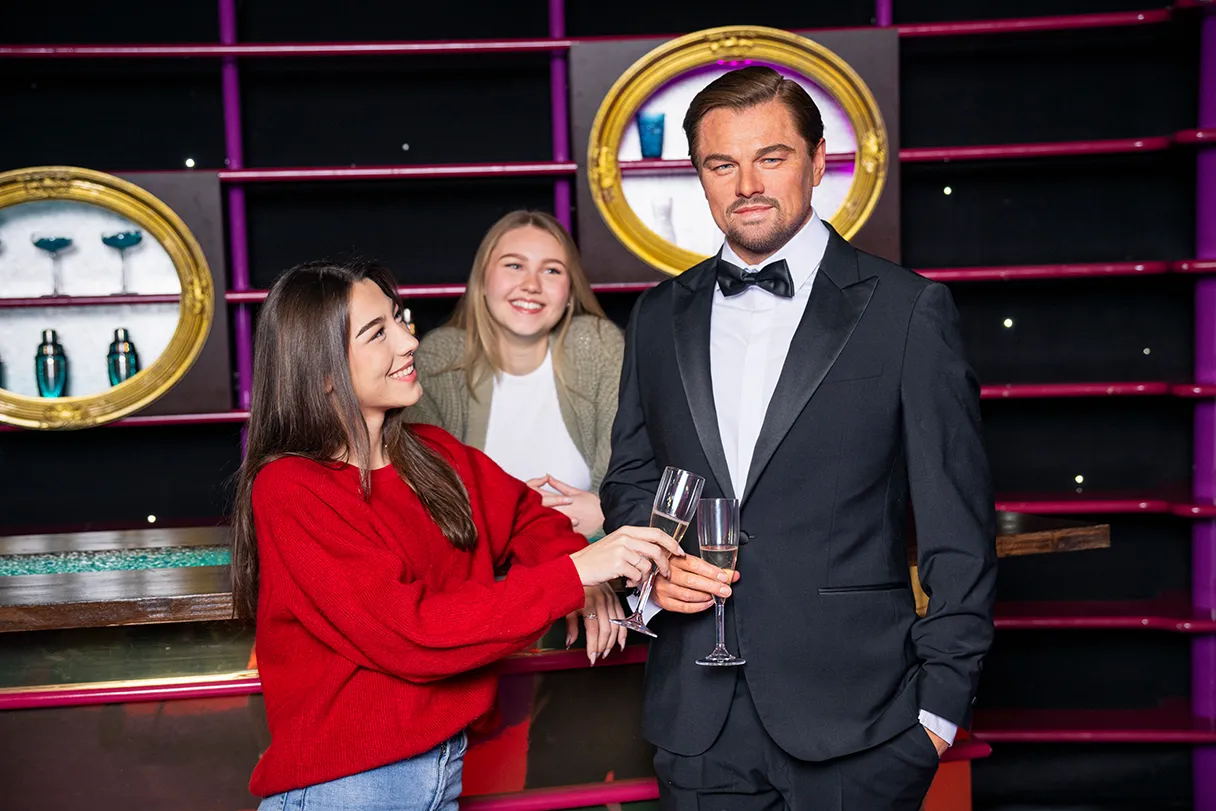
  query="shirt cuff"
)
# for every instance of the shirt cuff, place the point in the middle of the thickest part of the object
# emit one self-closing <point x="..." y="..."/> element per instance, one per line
<point x="649" y="610"/>
<point x="938" y="726"/>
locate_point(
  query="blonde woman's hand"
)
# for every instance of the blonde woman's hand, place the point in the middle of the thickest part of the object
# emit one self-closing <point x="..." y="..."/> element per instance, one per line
<point x="547" y="497"/>
<point x="602" y="605"/>
<point x="626" y="553"/>
<point x="582" y="507"/>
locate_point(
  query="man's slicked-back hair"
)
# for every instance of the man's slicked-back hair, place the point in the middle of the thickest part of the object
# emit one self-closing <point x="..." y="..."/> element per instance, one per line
<point x="748" y="87"/>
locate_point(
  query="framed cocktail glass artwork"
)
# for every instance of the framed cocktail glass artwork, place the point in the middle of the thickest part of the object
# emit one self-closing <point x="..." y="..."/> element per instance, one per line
<point x="106" y="299"/>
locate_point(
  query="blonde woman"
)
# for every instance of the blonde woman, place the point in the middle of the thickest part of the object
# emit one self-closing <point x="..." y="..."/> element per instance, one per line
<point x="527" y="369"/>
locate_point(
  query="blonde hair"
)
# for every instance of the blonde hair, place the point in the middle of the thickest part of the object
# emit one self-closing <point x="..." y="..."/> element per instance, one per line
<point x="481" y="331"/>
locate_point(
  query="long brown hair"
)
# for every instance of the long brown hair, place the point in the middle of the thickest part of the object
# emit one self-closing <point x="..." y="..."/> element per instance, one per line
<point x="472" y="314"/>
<point x="304" y="404"/>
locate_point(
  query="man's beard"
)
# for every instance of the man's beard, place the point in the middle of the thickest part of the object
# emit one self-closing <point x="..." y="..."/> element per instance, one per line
<point x="766" y="241"/>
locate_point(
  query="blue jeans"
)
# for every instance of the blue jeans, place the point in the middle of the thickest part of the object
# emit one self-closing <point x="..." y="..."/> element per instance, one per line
<point x="426" y="782"/>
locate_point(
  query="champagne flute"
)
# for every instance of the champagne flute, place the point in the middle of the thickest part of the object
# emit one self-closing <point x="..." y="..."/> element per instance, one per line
<point x="718" y="534"/>
<point x="675" y="503"/>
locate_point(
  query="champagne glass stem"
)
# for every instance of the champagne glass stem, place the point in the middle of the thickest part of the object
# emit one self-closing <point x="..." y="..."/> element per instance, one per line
<point x="720" y="610"/>
<point x="644" y="595"/>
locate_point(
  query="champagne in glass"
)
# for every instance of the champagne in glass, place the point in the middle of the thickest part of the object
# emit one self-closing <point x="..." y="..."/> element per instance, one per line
<point x="721" y="556"/>
<point x="718" y="536"/>
<point x="668" y="523"/>
<point x="675" y="503"/>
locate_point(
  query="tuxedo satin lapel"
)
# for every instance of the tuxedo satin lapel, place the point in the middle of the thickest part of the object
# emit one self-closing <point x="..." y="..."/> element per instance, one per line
<point x="831" y="315"/>
<point x="691" y="304"/>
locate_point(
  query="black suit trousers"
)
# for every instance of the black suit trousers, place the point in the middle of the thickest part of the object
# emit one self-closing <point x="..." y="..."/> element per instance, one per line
<point x="745" y="770"/>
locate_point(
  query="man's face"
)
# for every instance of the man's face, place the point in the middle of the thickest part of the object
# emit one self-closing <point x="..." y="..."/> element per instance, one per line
<point x="758" y="174"/>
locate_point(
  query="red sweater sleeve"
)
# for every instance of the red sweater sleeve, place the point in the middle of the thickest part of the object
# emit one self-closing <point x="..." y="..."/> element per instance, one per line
<point x="358" y="597"/>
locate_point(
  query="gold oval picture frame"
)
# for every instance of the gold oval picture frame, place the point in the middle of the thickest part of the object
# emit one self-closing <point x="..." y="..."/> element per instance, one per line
<point x="729" y="46"/>
<point x="196" y="309"/>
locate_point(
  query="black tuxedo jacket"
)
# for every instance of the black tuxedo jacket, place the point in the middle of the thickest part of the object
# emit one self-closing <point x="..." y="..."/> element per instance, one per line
<point x="875" y="417"/>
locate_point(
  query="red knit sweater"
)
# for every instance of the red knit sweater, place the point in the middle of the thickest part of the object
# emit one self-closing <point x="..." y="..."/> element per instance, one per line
<point x="374" y="633"/>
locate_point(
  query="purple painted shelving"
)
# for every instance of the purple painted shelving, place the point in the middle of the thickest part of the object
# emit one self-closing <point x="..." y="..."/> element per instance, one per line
<point x="238" y="241"/>
<point x="1203" y="534"/>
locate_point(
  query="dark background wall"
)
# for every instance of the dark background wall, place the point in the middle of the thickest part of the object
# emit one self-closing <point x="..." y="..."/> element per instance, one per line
<point x="1126" y="82"/>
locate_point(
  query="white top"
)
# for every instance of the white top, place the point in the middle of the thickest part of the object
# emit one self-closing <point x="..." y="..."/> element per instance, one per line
<point x="749" y="337"/>
<point x="526" y="435"/>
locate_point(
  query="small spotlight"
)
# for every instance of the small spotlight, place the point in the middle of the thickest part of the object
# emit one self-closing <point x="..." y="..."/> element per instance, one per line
<point x="947" y="191"/>
<point x="1008" y="322"/>
<point x="189" y="163"/>
<point x="1079" y="479"/>
<point x="1147" y="351"/>
<point x="151" y="519"/>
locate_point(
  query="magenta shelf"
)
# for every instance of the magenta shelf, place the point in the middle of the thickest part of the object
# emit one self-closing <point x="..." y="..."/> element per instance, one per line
<point x="967" y="274"/>
<point x="561" y="797"/>
<point x="249" y="683"/>
<point x="1194" y="266"/>
<point x="89" y="301"/>
<point x="1172" y="614"/>
<point x="1201" y="136"/>
<point x="213" y="418"/>
<point x="476" y="46"/>
<point x="1038" y="150"/>
<point x="1193" y="390"/>
<point x="1082" y="506"/>
<point x="402" y="172"/>
<point x="408" y="48"/>
<point x="285" y="49"/>
<point x="1072" y="270"/>
<point x="1086" y="504"/>
<point x="1193" y="510"/>
<point x="1066" y="22"/>
<point x="1009" y="391"/>
<point x="1170" y="723"/>
<point x="615" y="792"/>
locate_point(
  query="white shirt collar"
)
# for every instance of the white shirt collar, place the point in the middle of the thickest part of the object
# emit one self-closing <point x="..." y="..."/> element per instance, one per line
<point x="802" y="254"/>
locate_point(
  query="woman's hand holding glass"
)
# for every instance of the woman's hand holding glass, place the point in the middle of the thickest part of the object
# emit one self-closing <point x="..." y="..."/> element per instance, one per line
<point x="628" y="553"/>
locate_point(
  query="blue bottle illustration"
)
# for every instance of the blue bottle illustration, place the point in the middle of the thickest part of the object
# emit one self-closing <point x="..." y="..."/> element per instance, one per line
<point x="122" y="362"/>
<point x="51" y="366"/>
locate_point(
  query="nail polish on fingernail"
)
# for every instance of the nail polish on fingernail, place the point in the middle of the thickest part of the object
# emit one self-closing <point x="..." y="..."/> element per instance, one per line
<point x="723" y="578"/>
<point x="593" y="657"/>
<point x="724" y="591"/>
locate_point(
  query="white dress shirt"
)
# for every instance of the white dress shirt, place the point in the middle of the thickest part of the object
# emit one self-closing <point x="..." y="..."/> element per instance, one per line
<point x="749" y="338"/>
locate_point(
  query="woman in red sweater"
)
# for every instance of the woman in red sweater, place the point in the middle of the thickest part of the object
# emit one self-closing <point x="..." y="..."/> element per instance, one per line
<point x="367" y="549"/>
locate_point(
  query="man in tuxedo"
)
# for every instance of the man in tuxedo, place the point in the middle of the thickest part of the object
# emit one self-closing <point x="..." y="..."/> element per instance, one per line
<point x="827" y="390"/>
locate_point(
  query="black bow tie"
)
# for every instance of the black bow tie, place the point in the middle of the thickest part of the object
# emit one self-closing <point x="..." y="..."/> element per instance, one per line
<point x="773" y="277"/>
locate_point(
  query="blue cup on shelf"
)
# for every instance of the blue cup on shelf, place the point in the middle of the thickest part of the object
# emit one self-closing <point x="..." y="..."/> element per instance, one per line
<point x="650" y="133"/>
